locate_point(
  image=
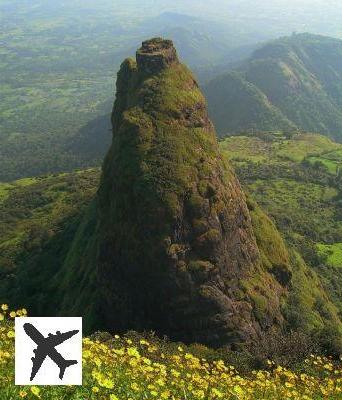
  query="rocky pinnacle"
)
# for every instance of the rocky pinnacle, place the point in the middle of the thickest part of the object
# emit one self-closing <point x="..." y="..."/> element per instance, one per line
<point x="155" y="55"/>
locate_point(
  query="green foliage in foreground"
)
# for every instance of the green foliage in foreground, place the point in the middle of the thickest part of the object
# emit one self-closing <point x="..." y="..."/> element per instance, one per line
<point x="332" y="253"/>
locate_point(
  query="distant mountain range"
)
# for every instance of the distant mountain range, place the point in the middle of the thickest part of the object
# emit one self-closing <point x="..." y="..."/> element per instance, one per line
<point x="291" y="83"/>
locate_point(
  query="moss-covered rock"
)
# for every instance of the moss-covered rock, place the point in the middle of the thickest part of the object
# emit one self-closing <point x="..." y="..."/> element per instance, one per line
<point x="177" y="250"/>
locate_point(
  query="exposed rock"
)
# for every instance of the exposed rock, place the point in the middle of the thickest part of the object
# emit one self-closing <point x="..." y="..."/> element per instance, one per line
<point x="155" y="55"/>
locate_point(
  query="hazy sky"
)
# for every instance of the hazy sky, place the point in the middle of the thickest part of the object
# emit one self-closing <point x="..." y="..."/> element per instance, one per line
<point x="272" y="17"/>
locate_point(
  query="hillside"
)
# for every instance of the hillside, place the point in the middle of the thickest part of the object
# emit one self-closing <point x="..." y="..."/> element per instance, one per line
<point x="293" y="82"/>
<point x="298" y="183"/>
<point x="178" y="248"/>
<point x="39" y="218"/>
<point x="246" y="103"/>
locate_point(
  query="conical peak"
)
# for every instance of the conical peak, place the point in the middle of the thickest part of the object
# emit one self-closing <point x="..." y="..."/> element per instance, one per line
<point x="155" y="55"/>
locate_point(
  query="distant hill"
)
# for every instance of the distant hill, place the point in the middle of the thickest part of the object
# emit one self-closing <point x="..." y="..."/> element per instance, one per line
<point x="56" y="74"/>
<point x="201" y="42"/>
<point x="293" y="82"/>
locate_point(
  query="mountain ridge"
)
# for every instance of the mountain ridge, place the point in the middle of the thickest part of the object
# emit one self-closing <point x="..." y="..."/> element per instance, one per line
<point x="302" y="90"/>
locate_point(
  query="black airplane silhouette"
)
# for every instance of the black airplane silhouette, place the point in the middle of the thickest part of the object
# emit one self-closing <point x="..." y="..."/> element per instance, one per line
<point x="46" y="347"/>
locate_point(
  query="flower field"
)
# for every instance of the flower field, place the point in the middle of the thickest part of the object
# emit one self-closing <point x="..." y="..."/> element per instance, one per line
<point x="138" y="369"/>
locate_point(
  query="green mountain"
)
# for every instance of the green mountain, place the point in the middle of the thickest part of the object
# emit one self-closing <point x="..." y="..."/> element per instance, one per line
<point x="176" y="248"/>
<point x="169" y="243"/>
<point x="246" y="103"/>
<point x="293" y="82"/>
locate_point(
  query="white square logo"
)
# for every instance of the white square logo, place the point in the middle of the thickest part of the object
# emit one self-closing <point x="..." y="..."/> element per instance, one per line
<point x="48" y="351"/>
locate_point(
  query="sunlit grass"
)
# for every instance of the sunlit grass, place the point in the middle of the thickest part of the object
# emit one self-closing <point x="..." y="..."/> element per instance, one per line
<point x="333" y="253"/>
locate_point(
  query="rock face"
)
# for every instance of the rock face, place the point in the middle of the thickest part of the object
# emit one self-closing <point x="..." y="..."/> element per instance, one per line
<point x="177" y="252"/>
<point x="155" y="55"/>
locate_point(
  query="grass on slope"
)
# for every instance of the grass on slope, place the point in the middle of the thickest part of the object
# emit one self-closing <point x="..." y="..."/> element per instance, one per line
<point x="38" y="218"/>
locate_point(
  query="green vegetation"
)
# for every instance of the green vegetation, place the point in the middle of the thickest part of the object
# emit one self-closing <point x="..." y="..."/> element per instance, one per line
<point x="38" y="220"/>
<point x="291" y="180"/>
<point x="291" y="83"/>
<point x="236" y="105"/>
<point x="332" y="253"/>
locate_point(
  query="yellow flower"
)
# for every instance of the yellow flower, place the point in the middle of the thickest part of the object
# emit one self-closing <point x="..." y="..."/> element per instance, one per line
<point x="4" y="307"/>
<point x="238" y="390"/>
<point x="217" y="393"/>
<point x="2" y="317"/>
<point x="13" y="314"/>
<point x="133" y="352"/>
<point x="107" y="383"/>
<point x="87" y="354"/>
<point x="135" y="387"/>
<point x="113" y="397"/>
<point x="35" y="390"/>
<point x="22" y="393"/>
<point x="10" y="334"/>
<point x="165" y="395"/>
<point x="95" y="389"/>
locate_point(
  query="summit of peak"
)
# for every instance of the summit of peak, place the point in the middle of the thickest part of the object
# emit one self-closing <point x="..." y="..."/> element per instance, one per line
<point x="156" y="54"/>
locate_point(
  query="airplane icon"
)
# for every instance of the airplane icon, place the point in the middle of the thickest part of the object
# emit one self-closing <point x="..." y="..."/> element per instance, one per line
<point x="46" y="348"/>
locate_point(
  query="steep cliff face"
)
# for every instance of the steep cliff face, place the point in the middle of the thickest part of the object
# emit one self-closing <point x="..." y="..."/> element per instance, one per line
<point x="177" y="252"/>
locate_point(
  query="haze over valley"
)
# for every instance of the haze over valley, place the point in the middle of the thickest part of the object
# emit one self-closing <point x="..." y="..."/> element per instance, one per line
<point x="59" y="60"/>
